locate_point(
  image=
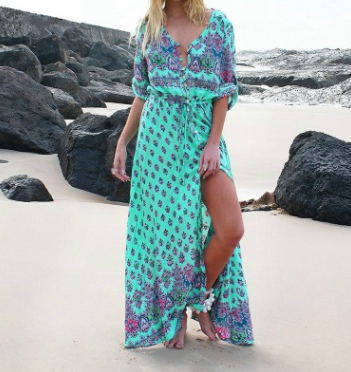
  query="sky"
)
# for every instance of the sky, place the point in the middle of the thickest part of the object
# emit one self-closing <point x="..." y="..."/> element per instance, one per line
<point x="259" y="25"/>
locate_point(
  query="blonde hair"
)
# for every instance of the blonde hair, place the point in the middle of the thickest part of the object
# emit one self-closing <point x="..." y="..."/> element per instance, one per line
<point x="155" y="19"/>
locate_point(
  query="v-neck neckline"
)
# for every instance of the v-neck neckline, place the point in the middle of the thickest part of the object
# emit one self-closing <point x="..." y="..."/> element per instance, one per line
<point x="197" y="38"/>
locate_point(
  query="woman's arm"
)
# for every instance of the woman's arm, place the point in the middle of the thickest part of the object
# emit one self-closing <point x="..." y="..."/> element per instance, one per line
<point x="129" y="130"/>
<point x="210" y="157"/>
<point x="132" y="123"/>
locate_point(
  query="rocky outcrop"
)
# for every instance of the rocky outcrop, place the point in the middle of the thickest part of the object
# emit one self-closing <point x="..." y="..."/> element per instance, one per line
<point x="87" y="151"/>
<point x="109" y="91"/>
<point x="123" y="76"/>
<point x="15" y="40"/>
<point x="65" y="49"/>
<point x="50" y="49"/>
<point x="283" y="59"/>
<point x="295" y="77"/>
<point x="75" y="40"/>
<point x="264" y="203"/>
<point x="339" y="94"/>
<point x="114" y="58"/>
<point x="25" y="189"/>
<point x="29" y="120"/>
<point x="315" y="181"/>
<point x="57" y="75"/>
<point x="80" y="70"/>
<point x="17" y="23"/>
<point x="21" y="58"/>
<point x="68" y="107"/>
<point x="313" y="79"/>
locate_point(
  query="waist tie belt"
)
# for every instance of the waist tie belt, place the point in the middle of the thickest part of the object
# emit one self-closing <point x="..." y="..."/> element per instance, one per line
<point x="188" y="110"/>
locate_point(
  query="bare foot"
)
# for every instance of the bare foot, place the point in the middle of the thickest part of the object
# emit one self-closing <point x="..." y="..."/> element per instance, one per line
<point x="177" y="341"/>
<point x="206" y="325"/>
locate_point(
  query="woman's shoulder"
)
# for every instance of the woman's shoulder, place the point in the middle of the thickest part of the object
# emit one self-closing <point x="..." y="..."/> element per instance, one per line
<point x="221" y="18"/>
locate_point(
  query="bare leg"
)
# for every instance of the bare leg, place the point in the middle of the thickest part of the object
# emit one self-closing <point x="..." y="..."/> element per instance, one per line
<point x="177" y="341"/>
<point x="220" y="198"/>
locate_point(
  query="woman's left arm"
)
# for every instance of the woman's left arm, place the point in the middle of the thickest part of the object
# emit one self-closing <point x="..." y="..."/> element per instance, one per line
<point x="226" y="98"/>
<point x="210" y="157"/>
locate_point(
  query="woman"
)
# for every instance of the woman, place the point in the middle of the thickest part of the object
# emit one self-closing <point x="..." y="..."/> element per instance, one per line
<point x="184" y="222"/>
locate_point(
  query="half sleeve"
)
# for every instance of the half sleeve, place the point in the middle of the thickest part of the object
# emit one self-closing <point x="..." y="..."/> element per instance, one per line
<point x="228" y="82"/>
<point x="140" y="81"/>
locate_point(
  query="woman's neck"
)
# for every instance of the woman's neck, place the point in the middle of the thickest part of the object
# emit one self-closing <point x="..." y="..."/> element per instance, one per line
<point x="174" y="9"/>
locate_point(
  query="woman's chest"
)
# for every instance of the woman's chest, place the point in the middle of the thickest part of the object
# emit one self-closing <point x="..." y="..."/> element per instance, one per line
<point x="201" y="55"/>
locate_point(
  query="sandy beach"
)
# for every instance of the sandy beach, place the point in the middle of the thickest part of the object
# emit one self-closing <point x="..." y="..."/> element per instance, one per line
<point x="62" y="267"/>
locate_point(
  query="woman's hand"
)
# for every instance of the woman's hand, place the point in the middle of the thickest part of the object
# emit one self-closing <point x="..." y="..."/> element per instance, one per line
<point x="209" y="161"/>
<point x="119" y="164"/>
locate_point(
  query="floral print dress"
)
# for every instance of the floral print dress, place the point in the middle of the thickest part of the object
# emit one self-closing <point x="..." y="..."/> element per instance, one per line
<point x="168" y="224"/>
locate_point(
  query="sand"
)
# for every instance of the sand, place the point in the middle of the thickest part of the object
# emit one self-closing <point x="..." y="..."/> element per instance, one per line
<point x="62" y="268"/>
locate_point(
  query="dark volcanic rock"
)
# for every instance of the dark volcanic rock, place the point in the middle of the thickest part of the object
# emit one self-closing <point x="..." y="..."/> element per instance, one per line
<point x="57" y="75"/>
<point x="315" y="182"/>
<point x="265" y="203"/>
<point x="21" y="58"/>
<point x="119" y="76"/>
<point x="91" y="99"/>
<point x="87" y="152"/>
<point x="16" y="23"/>
<point x="29" y="118"/>
<point x="129" y="48"/>
<point x="109" y="91"/>
<point x="80" y="70"/>
<point x="114" y="58"/>
<point x="24" y="188"/>
<point x="336" y="94"/>
<point x="283" y="59"/>
<point x="88" y="61"/>
<point x="69" y="108"/>
<point x="13" y="40"/>
<point x="74" y="39"/>
<point x="76" y="56"/>
<point x="296" y="77"/>
<point x="246" y="89"/>
<point x="50" y="49"/>
<point x="313" y="79"/>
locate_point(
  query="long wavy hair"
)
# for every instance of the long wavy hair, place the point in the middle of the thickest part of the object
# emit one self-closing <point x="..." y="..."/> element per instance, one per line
<point x="155" y="18"/>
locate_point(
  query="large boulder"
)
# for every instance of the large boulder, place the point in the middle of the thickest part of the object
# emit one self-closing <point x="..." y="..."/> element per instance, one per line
<point x="50" y="49"/>
<point x="21" y="58"/>
<point x="76" y="56"/>
<point x="87" y="151"/>
<point x="88" y="61"/>
<point x="68" y="107"/>
<point x="315" y="182"/>
<point x="57" y="75"/>
<point x="15" y="40"/>
<point x="114" y="58"/>
<point x="29" y="119"/>
<point x="75" y="40"/>
<point x="109" y="91"/>
<point x="122" y="76"/>
<point x="25" y="189"/>
<point x="80" y="70"/>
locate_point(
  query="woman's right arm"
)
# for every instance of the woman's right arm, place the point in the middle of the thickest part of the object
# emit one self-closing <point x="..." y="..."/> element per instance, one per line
<point x="140" y="84"/>
<point x="130" y="129"/>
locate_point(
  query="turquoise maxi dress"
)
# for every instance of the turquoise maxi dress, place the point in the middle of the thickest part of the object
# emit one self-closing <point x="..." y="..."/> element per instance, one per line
<point x="168" y="224"/>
